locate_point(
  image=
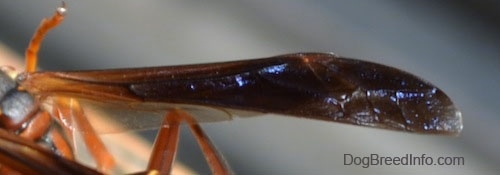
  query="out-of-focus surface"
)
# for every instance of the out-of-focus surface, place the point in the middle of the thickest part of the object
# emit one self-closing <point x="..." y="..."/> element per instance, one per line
<point x="453" y="45"/>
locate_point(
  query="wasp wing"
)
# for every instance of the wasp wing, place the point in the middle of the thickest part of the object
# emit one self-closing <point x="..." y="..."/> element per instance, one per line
<point x="313" y="85"/>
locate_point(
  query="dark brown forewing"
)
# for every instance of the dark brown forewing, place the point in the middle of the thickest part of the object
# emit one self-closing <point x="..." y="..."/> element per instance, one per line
<point x="312" y="85"/>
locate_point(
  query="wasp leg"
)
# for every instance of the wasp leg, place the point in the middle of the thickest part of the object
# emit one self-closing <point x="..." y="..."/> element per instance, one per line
<point x="37" y="126"/>
<point x="165" y="147"/>
<point x="61" y="144"/>
<point x="217" y="163"/>
<point x="70" y="110"/>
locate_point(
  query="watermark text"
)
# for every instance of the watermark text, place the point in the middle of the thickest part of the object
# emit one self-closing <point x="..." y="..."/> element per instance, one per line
<point x="405" y="160"/>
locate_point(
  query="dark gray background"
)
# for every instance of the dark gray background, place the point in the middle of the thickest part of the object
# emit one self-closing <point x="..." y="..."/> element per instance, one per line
<point x="454" y="45"/>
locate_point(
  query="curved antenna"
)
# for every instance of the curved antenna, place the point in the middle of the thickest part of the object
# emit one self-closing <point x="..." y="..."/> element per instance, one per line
<point x="45" y="26"/>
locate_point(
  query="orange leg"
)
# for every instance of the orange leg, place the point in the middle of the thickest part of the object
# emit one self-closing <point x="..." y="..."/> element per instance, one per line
<point x="61" y="144"/>
<point x="39" y="125"/>
<point x="165" y="147"/>
<point x="45" y="26"/>
<point x="164" y="151"/>
<point x="70" y="110"/>
<point x="217" y="163"/>
<point x="62" y="112"/>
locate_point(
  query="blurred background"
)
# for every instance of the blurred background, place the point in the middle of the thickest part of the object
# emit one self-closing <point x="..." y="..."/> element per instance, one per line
<point x="453" y="45"/>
